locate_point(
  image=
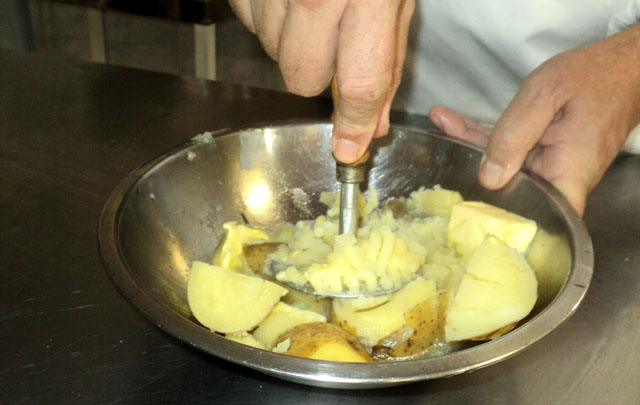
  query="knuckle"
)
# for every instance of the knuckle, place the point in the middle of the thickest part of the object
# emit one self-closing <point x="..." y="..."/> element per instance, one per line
<point x="303" y="89"/>
<point x="363" y="91"/>
<point x="303" y="75"/>
<point x="302" y="85"/>
<point x="310" y="4"/>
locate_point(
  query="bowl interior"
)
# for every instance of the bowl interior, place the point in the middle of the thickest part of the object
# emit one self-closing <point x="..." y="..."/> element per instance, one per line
<point x="170" y="212"/>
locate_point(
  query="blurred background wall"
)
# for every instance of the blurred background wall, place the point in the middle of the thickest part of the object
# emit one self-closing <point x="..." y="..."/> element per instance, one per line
<point x="198" y="38"/>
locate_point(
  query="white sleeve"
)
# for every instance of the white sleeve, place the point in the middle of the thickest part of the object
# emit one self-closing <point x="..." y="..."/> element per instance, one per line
<point x="625" y="18"/>
<point x="633" y="141"/>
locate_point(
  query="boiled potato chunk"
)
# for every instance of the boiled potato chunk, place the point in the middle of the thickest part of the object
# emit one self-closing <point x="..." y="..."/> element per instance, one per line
<point x="420" y="330"/>
<point x="435" y="201"/>
<point x="498" y="288"/>
<point x="323" y="341"/>
<point x="229" y="302"/>
<point x="229" y="252"/>
<point x="496" y="333"/>
<point x="308" y="302"/>
<point x="471" y="221"/>
<point x="282" y="318"/>
<point x="246" y="339"/>
<point x="375" y="323"/>
<point x="550" y="257"/>
<point x="256" y="257"/>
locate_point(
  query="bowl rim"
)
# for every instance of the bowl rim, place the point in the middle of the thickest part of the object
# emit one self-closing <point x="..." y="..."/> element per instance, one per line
<point x="338" y="374"/>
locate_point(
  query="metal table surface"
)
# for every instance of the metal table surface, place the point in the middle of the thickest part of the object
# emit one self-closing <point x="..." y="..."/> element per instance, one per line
<point x="69" y="132"/>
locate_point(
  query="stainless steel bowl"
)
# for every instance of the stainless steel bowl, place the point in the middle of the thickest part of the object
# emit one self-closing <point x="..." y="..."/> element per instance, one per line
<point x="170" y="211"/>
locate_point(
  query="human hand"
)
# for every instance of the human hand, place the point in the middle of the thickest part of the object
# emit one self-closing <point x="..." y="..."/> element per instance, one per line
<point x="362" y="42"/>
<point x="567" y="121"/>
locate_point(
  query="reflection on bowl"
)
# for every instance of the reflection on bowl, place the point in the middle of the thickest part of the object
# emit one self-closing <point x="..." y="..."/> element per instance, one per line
<point x="170" y="212"/>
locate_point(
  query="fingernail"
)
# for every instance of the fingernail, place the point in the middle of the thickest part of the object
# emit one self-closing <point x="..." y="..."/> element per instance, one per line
<point x="490" y="173"/>
<point x="346" y="151"/>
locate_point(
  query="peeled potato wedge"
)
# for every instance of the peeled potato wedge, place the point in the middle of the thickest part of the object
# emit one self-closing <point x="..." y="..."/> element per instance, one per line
<point x="229" y="302"/>
<point x="498" y="289"/>
<point x="323" y="341"/>
<point x="472" y="221"/>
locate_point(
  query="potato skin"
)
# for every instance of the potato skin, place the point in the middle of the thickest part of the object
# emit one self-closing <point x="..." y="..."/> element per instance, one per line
<point x="443" y="300"/>
<point x="423" y="320"/>
<point x="256" y="254"/>
<point x="397" y="207"/>
<point x="282" y="318"/>
<point x="308" y="338"/>
<point x="371" y="324"/>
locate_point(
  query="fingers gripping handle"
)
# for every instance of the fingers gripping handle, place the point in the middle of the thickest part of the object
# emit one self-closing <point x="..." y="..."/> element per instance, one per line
<point x="350" y="176"/>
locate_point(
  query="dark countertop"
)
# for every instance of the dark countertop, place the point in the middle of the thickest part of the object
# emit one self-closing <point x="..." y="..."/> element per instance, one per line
<point x="69" y="133"/>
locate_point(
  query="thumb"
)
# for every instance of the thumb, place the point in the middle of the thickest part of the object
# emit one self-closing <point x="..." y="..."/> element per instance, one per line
<point x="518" y="130"/>
<point x="345" y="148"/>
<point x="357" y="117"/>
<point x="355" y="124"/>
<point x="365" y="61"/>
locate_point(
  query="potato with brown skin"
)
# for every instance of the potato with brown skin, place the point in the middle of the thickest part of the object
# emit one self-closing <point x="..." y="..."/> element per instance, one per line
<point x="256" y="255"/>
<point x="416" y="336"/>
<point x="443" y="299"/>
<point x="282" y="318"/>
<point x="323" y="341"/>
<point x="397" y="207"/>
<point x="342" y="324"/>
<point x="375" y="319"/>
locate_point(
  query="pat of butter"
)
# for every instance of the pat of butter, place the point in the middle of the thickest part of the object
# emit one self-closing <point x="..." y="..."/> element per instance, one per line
<point x="229" y="253"/>
<point x="471" y="221"/>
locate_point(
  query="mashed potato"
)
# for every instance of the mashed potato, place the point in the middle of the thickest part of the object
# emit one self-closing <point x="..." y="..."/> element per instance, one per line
<point x="390" y="248"/>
